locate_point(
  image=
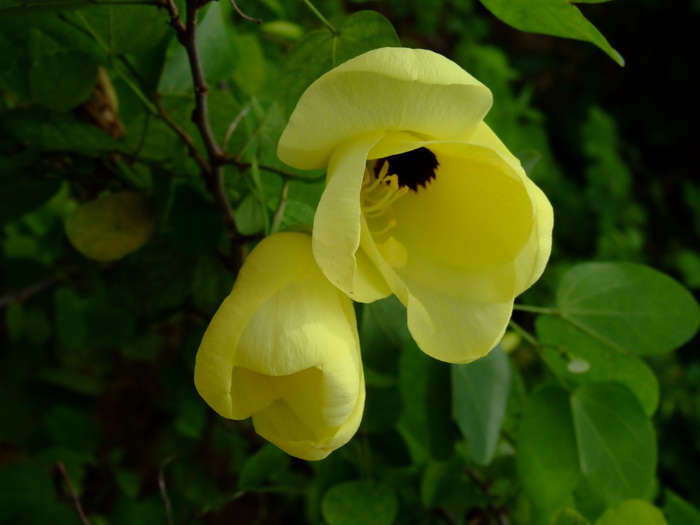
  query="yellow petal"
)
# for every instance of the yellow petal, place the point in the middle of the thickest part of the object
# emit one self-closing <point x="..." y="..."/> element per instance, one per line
<point x="294" y="422"/>
<point x="475" y="214"/>
<point x="336" y="233"/>
<point x="463" y="246"/>
<point x="452" y="328"/>
<point x="389" y="89"/>
<point x="283" y="348"/>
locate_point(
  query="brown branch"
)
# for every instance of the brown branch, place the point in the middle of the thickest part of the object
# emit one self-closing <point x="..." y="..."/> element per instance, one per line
<point x="184" y="137"/>
<point x="286" y="175"/>
<point x="36" y="288"/>
<point x="174" y="12"/>
<point x="213" y="170"/>
<point x="73" y="494"/>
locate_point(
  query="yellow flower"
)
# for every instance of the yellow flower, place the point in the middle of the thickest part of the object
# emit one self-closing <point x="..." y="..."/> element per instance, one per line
<point x="422" y="199"/>
<point x="283" y="348"/>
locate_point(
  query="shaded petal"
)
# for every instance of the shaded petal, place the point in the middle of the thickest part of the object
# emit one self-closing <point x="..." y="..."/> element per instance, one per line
<point x="336" y="234"/>
<point x="390" y="89"/>
<point x="282" y="426"/>
<point x="533" y="259"/>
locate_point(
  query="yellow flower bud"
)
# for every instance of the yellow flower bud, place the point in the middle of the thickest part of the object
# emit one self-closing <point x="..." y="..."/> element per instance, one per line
<point x="422" y="199"/>
<point x="283" y="348"/>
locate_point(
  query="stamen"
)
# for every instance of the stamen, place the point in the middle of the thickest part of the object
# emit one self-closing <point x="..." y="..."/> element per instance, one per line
<point x="389" y="226"/>
<point x="388" y="196"/>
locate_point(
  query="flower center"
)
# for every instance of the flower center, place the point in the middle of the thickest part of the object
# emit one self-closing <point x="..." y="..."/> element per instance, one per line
<point x="413" y="168"/>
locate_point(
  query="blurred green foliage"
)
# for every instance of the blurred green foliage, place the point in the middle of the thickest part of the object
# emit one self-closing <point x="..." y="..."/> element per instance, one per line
<point x="589" y="410"/>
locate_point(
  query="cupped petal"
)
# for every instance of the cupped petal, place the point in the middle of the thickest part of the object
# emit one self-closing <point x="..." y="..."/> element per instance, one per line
<point x="533" y="259"/>
<point x="390" y="89"/>
<point x="531" y="262"/>
<point x="297" y="424"/>
<point x="336" y="232"/>
<point x="452" y="327"/>
<point x="453" y="316"/>
<point x="283" y="324"/>
<point x="475" y="214"/>
<point x="462" y="247"/>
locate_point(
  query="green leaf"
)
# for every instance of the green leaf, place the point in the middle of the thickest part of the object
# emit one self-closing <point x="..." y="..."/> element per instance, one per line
<point x="567" y="516"/>
<point x="251" y="73"/>
<point x="108" y="325"/>
<point x="425" y="421"/>
<point x="250" y="216"/>
<point x="191" y="417"/>
<point x="192" y="223"/>
<point x="123" y="29"/>
<point x="616" y="441"/>
<point x="362" y="32"/>
<point x="383" y="332"/>
<point x="22" y="192"/>
<point x="680" y="512"/>
<point x="283" y="29"/>
<point x="157" y="279"/>
<point x="547" y="457"/>
<point x="19" y="8"/>
<point x="71" y="428"/>
<point x="578" y="358"/>
<point x="550" y="17"/>
<point x="628" y="306"/>
<point x="56" y="132"/>
<point x="320" y="51"/>
<point x="261" y="466"/>
<point x="360" y="502"/>
<point x="70" y="325"/>
<point x="297" y="214"/>
<point x="75" y="381"/>
<point x="445" y="484"/>
<point x="212" y="283"/>
<point x="22" y="486"/>
<point x="480" y="393"/>
<point x="595" y="443"/>
<point x="631" y="511"/>
<point x="59" y="78"/>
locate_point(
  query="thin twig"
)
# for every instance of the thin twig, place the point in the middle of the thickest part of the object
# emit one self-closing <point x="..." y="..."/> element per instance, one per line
<point x="29" y="291"/>
<point x="234" y="124"/>
<point x="200" y="115"/>
<point x="184" y="137"/>
<point x="36" y="288"/>
<point x="524" y="333"/>
<point x="243" y="15"/>
<point x="73" y="494"/>
<point x="287" y="175"/>
<point x="279" y="213"/>
<point x="174" y="12"/>
<point x="536" y="309"/>
<point x="164" y="490"/>
<point x="321" y="17"/>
